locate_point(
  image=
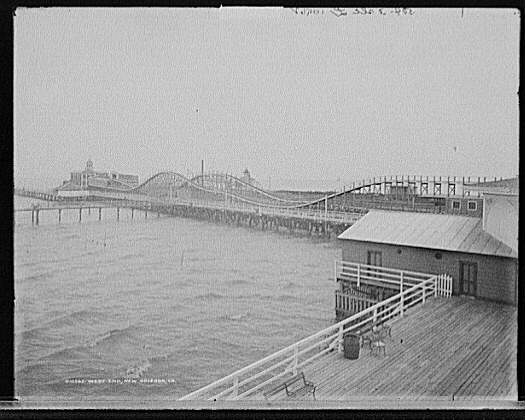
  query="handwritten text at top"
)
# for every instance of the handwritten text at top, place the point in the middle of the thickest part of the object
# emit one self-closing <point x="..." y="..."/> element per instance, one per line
<point x="338" y="12"/>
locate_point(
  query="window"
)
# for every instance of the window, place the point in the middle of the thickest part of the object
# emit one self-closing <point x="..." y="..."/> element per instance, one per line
<point x="472" y="205"/>
<point x="456" y="205"/>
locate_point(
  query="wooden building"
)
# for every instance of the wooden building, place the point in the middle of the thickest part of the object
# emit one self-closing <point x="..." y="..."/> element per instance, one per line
<point x="480" y="264"/>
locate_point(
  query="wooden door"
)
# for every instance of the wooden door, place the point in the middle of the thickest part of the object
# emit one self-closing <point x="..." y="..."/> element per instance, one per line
<point x="468" y="273"/>
<point x="374" y="258"/>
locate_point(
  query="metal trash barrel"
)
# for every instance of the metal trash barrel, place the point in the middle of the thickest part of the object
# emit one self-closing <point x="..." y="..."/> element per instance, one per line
<point x="351" y="346"/>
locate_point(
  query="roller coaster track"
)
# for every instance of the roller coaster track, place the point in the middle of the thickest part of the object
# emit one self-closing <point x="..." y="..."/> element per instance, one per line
<point x="167" y="178"/>
<point x="249" y="186"/>
<point x="429" y="186"/>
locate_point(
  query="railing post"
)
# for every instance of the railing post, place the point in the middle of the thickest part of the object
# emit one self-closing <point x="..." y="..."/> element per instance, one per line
<point x="374" y="318"/>
<point x="401" y="296"/>
<point x="295" y="359"/>
<point x="436" y="286"/>
<point x="358" y="275"/>
<point x="424" y="289"/>
<point x="340" y="339"/>
<point x="235" y="391"/>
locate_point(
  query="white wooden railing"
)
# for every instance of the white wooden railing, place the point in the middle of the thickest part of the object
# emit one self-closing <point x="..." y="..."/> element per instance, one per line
<point x="252" y="379"/>
<point x="352" y="303"/>
<point x="373" y="275"/>
<point x="443" y="285"/>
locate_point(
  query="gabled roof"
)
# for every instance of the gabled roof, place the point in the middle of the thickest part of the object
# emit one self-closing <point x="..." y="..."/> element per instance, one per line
<point x="422" y="230"/>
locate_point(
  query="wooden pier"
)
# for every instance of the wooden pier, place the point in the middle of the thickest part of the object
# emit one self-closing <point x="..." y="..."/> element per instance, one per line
<point x="35" y="211"/>
<point x="325" y="224"/>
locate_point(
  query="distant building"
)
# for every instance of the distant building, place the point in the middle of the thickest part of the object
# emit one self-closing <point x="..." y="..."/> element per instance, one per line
<point x="89" y="179"/>
<point x="402" y="191"/>
<point x="480" y="254"/>
<point x="246" y="177"/>
<point x="466" y="206"/>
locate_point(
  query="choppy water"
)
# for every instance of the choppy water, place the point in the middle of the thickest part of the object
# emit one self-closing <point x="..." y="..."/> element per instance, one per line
<point x="162" y="298"/>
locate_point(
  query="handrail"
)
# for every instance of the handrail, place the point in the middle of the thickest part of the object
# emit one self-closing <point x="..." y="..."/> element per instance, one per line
<point x="381" y="311"/>
<point x="380" y="268"/>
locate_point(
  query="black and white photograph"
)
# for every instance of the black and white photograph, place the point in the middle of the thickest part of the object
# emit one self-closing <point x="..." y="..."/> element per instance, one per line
<point x="265" y="207"/>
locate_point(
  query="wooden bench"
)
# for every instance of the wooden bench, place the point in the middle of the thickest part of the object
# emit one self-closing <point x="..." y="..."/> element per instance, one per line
<point x="295" y="386"/>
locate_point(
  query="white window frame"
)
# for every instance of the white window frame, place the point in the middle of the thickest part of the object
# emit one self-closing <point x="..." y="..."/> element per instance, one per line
<point x="475" y="205"/>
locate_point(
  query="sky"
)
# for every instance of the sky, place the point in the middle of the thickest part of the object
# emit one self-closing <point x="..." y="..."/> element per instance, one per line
<point x="301" y="100"/>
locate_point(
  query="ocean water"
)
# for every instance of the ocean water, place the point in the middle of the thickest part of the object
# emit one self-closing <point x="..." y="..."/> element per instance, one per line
<point x="179" y="300"/>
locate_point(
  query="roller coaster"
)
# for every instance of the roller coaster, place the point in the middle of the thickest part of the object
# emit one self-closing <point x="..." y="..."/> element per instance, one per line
<point x="209" y="187"/>
<point x="219" y="186"/>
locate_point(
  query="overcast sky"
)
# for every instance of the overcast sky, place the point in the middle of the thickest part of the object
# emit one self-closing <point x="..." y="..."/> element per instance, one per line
<point x="288" y="96"/>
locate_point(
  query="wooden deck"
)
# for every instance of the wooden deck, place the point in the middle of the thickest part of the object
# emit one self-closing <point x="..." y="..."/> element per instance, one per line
<point x="447" y="349"/>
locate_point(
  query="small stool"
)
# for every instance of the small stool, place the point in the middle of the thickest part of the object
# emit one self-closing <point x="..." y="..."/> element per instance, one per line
<point x="378" y="346"/>
<point x="387" y="330"/>
<point x="366" y="340"/>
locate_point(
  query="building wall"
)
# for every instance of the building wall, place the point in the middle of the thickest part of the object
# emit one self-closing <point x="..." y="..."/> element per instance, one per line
<point x="496" y="276"/>
<point x="500" y="218"/>
<point x="460" y="206"/>
<point x="130" y="179"/>
<point x="76" y="178"/>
